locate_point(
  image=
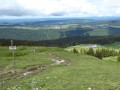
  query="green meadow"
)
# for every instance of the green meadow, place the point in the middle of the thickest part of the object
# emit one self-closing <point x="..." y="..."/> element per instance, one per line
<point x="52" y="68"/>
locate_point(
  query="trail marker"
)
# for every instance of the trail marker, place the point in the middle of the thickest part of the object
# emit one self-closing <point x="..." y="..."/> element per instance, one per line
<point x="13" y="48"/>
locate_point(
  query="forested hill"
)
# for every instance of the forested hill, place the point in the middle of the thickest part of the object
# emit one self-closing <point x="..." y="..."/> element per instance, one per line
<point x="56" y="29"/>
<point x="65" y="42"/>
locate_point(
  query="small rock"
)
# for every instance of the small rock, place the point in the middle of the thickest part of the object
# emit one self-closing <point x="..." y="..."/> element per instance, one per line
<point x="89" y="88"/>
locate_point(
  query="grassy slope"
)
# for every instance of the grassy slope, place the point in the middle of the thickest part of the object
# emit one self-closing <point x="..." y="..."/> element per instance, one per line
<point x="84" y="71"/>
<point x="83" y="46"/>
<point x="99" y="32"/>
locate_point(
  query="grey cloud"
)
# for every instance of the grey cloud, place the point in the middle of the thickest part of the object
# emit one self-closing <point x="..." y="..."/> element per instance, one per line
<point x="11" y="8"/>
<point x="12" y="13"/>
<point x="58" y="14"/>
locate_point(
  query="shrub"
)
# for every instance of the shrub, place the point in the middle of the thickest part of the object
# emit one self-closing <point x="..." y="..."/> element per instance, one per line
<point x="17" y="54"/>
<point x="118" y="58"/>
<point x="22" y="48"/>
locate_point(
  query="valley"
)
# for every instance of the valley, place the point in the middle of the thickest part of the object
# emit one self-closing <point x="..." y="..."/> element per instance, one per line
<point x="56" y="29"/>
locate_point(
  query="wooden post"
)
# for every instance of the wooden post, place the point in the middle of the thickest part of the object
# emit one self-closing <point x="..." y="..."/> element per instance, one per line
<point x="13" y="57"/>
<point x="12" y="43"/>
<point x="13" y="53"/>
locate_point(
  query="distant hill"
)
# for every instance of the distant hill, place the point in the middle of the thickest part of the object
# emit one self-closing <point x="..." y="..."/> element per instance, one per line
<point x="36" y="30"/>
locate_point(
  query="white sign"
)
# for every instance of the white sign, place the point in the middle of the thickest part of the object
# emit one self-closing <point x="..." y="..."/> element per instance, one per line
<point x="12" y="48"/>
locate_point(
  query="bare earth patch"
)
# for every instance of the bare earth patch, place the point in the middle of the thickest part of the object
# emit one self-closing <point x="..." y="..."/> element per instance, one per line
<point x="61" y="61"/>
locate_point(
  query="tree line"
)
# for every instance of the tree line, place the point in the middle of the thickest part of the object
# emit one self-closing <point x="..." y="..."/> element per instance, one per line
<point x="99" y="53"/>
<point x="64" y="42"/>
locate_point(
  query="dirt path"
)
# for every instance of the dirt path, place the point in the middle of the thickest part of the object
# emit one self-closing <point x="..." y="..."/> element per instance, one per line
<point x="33" y="69"/>
<point x="61" y="59"/>
<point x="18" y="74"/>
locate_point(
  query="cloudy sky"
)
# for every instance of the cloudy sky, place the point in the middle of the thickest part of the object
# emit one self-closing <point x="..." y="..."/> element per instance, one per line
<point x="59" y="8"/>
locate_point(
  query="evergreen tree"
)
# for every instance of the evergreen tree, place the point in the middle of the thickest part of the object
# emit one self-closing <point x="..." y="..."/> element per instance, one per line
<point x="75" y="50"/>
<point x="98" y="54"/>
<point x="90" y="52"/>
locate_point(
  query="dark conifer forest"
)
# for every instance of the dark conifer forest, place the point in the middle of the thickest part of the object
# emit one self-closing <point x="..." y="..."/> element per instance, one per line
<point x="65" y="42"/>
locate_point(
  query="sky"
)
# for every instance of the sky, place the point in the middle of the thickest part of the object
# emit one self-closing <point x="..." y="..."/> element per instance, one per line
<point x="59" y="8"/>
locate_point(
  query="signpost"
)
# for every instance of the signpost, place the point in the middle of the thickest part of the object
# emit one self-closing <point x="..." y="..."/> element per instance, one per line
<point x="12" y="48"/>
